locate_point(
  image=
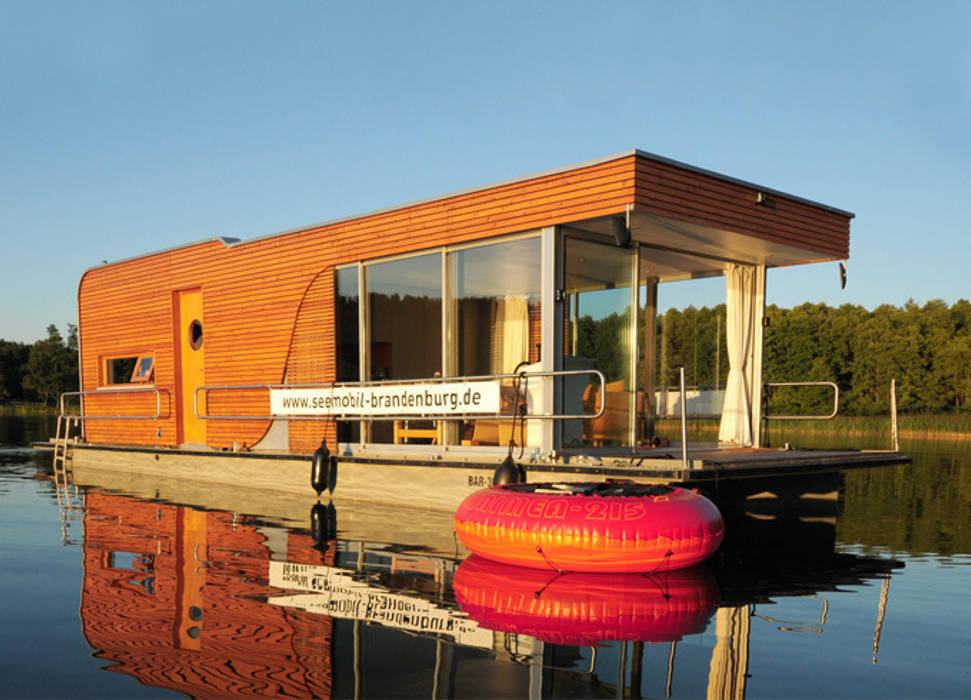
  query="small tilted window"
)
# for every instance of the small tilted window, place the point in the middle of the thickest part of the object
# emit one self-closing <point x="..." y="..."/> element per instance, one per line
<point x="134" y="369"/>
<point x="144" y="369"/>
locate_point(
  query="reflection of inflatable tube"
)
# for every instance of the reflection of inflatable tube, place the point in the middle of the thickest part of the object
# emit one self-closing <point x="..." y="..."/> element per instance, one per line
<point x="602" y="527"/>
<point x="584" y="609"/>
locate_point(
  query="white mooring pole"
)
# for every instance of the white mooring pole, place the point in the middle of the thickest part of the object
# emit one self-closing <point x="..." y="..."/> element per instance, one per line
<point x="894" y="433"/>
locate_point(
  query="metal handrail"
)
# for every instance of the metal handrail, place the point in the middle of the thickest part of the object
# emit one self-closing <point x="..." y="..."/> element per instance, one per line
<point x="120" y="390"/>
<point x="836" y="400"/>
<point x="394" y="382"/>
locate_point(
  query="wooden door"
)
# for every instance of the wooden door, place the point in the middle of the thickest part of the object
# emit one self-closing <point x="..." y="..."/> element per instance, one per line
<point x="192" y="364"/>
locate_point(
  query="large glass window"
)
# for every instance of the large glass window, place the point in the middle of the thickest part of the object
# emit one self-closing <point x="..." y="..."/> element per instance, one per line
<point x="494" y="322"/>
<point x="599" y="317"/>
<point x="404" y="328"/>
<point x="347" y="323"/>
<point x="497" y="312"/>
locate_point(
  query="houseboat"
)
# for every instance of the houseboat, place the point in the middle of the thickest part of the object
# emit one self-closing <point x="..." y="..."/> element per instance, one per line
<point x="413" y="348"/>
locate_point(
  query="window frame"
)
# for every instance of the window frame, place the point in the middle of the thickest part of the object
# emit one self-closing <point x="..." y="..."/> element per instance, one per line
<point x="136" y="378"/>
<point x="449" y="360"/>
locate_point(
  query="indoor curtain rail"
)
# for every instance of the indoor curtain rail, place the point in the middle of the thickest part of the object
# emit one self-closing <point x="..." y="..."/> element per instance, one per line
<point x="741" y="298"/>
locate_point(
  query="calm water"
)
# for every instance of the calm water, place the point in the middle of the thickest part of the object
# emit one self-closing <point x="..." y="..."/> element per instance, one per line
<point x="108" y="594"/>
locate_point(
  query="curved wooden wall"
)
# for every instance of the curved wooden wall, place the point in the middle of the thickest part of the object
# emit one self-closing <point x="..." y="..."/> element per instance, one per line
<point x="309" y="361"/>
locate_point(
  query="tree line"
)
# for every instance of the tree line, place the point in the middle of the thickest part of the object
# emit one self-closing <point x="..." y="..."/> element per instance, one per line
<point x="926" y="349"/>
<point x="39" y="372"/>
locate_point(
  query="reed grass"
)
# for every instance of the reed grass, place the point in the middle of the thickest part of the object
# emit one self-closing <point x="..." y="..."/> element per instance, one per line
<point x="27" y="409"/>
<point x="947" y="425"/>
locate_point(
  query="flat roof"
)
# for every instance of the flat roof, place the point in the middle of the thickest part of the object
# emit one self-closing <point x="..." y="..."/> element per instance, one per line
<point x="231" y="242"/>
<point x="546" y="173"/>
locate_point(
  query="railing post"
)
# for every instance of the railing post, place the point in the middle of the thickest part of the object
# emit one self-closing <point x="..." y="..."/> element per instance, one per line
<point x="894" y="434"/>
<point x="684" y="423"/>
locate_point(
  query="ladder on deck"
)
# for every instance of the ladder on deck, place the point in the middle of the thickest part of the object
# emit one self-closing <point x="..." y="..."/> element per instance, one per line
<point x="63" y="470"/>
<point x="62" y="457"/>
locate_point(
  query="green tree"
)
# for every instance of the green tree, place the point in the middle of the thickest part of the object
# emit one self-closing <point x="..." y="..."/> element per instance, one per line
<point x="953" y="366"/>
<point x="603" y="339"/>
<point x="13" y="357"/>
<point x="927" y="349"/>
<point x="677" y="332"/>
<point x="689" y="338"/>
<point x="935" y="324"/>
<point x="810" y="342"/>
<point x="52" y="367"/>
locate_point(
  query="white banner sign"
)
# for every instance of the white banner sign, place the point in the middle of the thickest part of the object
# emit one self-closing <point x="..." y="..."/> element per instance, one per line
<point x="451" y="398"/>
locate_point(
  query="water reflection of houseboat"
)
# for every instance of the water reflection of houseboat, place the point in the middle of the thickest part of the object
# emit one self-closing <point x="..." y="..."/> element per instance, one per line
<point x="441" y="333"/>
<point x="203" y="601"/>
<point x="211" y="603"/>
<point x="169" y="597"/>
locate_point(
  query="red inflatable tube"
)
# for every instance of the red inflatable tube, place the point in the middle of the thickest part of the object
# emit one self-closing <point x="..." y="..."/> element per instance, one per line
<point x="586" y="609"/>
<point x="615" y="527"/>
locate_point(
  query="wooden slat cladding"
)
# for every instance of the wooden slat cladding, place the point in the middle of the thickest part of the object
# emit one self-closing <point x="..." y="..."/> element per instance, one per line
<point x="667" y="190"/>
<point x="268" y="303"/>
<point x="252" y="292"/>
<point x="313" y="357"/>
<point x="593" y="191"/>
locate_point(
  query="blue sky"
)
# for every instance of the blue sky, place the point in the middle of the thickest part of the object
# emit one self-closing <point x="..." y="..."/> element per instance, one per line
<point x="126" y="127"/>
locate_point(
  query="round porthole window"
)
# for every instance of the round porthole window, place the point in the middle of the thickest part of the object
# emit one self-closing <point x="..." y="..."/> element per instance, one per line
<point x="195" y="334"/>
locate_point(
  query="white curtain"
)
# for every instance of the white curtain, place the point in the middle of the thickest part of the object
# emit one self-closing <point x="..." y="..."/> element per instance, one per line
<point x="742" y="317"/>
<point x="510" y="339"/>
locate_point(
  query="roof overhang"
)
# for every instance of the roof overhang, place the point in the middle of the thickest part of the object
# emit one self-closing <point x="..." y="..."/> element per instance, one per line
<point x="676" y="250"/>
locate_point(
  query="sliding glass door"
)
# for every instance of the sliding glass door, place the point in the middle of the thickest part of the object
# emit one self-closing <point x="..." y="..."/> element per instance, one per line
<point x="599" y="315"/>
<point x="404" y="330"/>
<point x="497" y="313"/>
